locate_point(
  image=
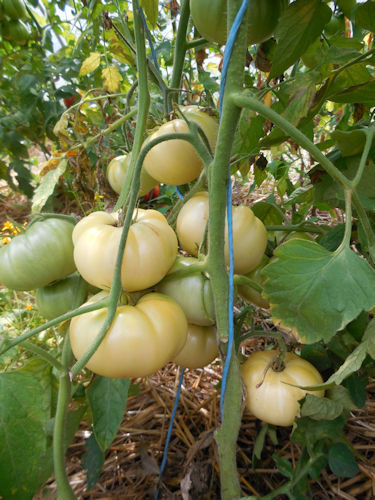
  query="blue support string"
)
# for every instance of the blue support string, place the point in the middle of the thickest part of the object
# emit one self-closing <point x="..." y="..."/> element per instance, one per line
<point x="165" y="455"/>
<point x="227" y="55"/>
<point x="179" y="193"/>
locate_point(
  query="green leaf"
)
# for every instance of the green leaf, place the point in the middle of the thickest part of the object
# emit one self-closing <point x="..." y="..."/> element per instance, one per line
<point x="300" y="24"/>
<point x="369" y="337"/>
<point x="320" y="408"/>
<point x="307" y="431"/>
<point x="47" y="186"/>
<point x="357" y="389"/>
<point x="269" y="213"/>
<point x="283" y="465"/>
<point x="151" y="10"/>
<point x="341" y="461"/>
<point x="365" y="16"/>
<point x="24" y="445"/>
<point x="350" y="142"/>
<point x="107" y="399"/>
<point x="360" y="93"/>
<point x="317" y="355"/>
<point x="316" y="291"/>
<point x="92" y="461"/>
<point x="259" y="442"/>
<point x="352" y="364"/>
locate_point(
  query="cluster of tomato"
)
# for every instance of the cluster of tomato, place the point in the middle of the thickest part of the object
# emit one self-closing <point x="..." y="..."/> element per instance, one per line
<point x="12" y="13"/>
<point x="174" y="316"/>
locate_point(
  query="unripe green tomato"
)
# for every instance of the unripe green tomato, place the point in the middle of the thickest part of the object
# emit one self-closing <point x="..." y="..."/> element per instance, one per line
<point x="140" y="341"/>
<point x="269" y="397"/>
<point x="200" y="348"/>
<point x="193" y="293"/>
<point x="63" y="296"/>
<point x="14" y="9"/>
<point x="116" y="173"/>
<point x="250" y="294"/>
<point x="17" y="32"/>
<point x="210" y="18"/>
<point x="249" y="233"/>
<point x="150" y="250"/>
<point x="40" y="255"/>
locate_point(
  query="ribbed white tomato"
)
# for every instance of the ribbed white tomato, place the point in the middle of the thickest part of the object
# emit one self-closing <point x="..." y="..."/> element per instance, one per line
<point x="141" y="340"/>
<point x="269" y="397"/>
<point x="200" y="348"/>
<point x="249" y="233"/>
<point x="150" y="249"/>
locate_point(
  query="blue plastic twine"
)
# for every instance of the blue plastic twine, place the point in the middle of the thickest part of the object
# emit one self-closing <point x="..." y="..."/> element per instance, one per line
<point x="227" y="55"/>
<point x="169" y="434"/>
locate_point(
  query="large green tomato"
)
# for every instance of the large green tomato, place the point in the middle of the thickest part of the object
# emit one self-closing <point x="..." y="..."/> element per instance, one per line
<point x="150" y="249"/>
<point x="210" y="18"/>
<point x="141" y="340"/>
<point x="192" y="292"/>
<point x="14" y="9"/>
<point x="176" y="161"/>
<point x="116" y="173"/>
<point x="249" y="233"/>
<point x="250" y="294"/>
<point x="40" y="255"/>
<point x="269" y="397"/>
<point x="62" y="296"/>
<point x="200" y="348"/>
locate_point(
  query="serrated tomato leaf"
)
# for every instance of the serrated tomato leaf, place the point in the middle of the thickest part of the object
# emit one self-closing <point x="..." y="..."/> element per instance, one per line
<point x="107" y="399"/>
<point x="25" y="453"/>
<point x="299" y="26"/>
<point x="315" y="291"/>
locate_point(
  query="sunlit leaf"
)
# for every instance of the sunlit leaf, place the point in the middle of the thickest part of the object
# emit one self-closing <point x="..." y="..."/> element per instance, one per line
<point x="90" y="64"/>
<point x="47" y="186"/>
<point x="151" y="10"/>
<point x="315" y="291"/>
<point x="111" y="78"/>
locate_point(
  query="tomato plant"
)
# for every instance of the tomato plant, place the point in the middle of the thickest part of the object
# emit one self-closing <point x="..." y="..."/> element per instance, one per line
<point x="269" y="397"/>
<point x="40" y="255"/>
<point x="200" y="348"/>
<point x="58" y="298"/>
<point x="249" y="233"/>
<point x="150" y="251"/>
<point x="141" y="340"/>
<point x="192" y="292"/>
<point x="116" y="173"/>
<point x="210" y="18"/>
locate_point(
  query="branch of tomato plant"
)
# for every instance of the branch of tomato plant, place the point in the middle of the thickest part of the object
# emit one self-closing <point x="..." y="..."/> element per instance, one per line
<point x="179" y="51"/>
<point x="226" y="435"/>
<point x="239" y="279"/>
<point x="53" y="322"/>
<point x="143" y="106"/>
<point x="43" y="354"/>
<point x="247" y="101"/>
<point x="64" y="490"/>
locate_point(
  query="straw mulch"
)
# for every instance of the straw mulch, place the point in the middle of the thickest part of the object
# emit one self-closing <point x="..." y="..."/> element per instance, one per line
<point x="131" y="469"/>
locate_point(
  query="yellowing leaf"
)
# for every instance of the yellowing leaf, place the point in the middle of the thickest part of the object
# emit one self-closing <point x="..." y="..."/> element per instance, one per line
<point x="90" y="64"/>
<point x="111" y="78"/>
<point x="61" y="126"/>
<point x="151" y="10"/>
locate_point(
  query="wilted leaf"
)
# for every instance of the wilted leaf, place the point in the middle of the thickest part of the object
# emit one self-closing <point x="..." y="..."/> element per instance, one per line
<point x="61" y="127"/>
<point x="47" y="186"/>
<point x="90" y="64"/>
<point x="315" y="291"/>
<point x="111" y="78"/>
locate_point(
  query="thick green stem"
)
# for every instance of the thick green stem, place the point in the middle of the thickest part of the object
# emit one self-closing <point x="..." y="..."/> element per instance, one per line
<point x="179" y="52"/>
<point x="348" y="222"/>
<point x="64" y="490"/>
<point x="143" y="106"/>
<point x="366" y="151"/>
<point x="43" y="354"/>
<point x="226" y="436"/>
